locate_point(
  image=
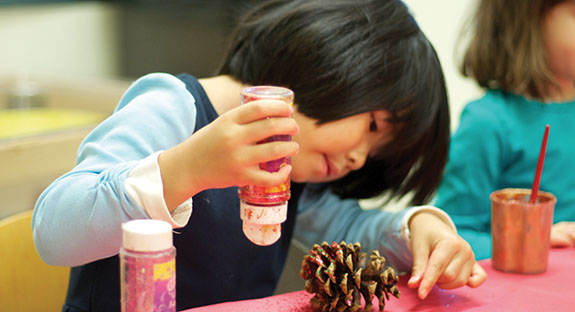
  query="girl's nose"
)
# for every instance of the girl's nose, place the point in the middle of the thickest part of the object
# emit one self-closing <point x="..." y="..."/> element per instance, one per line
<point x="356" y="159"/>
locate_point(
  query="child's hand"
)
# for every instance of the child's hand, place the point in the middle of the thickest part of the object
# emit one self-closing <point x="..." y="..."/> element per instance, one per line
<point x="440" y="256"/>
<point x="563" y="234"/>
<point x="225" y="153"/>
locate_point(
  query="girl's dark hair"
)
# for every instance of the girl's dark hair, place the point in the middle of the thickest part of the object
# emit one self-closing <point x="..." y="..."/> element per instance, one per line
<point x="347" y="57"/>
<point x="506" y="49"/>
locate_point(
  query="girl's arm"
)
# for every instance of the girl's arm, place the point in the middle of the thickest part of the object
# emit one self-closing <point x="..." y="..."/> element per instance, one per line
<point x="145" y="161"/>
<point x="439" y="254"/>
<point x="78" y="218"/>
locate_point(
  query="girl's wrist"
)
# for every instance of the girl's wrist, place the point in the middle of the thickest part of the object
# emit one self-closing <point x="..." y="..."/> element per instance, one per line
<point x="409" y="217"/>
<point x="175" y="182"/>
<point x="145" y="187"/>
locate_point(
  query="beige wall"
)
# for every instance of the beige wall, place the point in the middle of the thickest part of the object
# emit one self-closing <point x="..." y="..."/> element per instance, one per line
<point x="66" y="39"/>
<point x="441" y="21"/>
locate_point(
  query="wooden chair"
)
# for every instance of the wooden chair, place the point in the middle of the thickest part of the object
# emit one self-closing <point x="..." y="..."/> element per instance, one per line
<point x="26" y="282"/>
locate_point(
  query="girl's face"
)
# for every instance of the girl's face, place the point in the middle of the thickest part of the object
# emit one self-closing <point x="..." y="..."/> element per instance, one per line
<point x="331" y="150"/>
<point x="558" y="30"/>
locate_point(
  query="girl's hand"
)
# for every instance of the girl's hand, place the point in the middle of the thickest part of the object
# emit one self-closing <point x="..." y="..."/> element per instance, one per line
<point x="563" y="234"/>
<point x="440" y="256"/>
<point x="225" y="153"/>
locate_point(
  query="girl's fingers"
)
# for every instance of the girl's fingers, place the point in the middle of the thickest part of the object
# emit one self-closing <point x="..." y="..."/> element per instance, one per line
<point x="268" y="179"/>
<point x="437" y="264"/>
<point x="571" y="235"/>
<point x="276" y="171"/>
<point x="421" y="250"/>
<point x="560" y="240"/>
<point x="267" y="152"/>
<point x="456" y="274"/>
<point x="263" y="129"/>
<point x="563" y="234"/>
<point x="262" y="109"/>
<point x="478" y="276"/>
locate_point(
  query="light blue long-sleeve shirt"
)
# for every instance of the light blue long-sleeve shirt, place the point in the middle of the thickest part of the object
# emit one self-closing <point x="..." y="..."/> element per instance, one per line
<point x="78" y="218"/>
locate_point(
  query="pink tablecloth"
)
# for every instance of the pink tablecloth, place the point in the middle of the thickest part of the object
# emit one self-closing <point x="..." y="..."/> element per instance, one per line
<point x="551" y="291"/>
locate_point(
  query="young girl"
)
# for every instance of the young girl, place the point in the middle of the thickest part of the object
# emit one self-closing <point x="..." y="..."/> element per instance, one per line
<point x="369" y="100"/>
<point x="523" y="53"/>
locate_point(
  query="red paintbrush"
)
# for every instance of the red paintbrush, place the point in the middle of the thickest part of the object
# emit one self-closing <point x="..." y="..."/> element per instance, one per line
<point x="539" y="169"/>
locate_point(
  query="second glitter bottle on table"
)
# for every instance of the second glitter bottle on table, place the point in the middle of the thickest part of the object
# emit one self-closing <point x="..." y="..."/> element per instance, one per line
<point x="264" y="209"/>
<point x="147" y="267"/>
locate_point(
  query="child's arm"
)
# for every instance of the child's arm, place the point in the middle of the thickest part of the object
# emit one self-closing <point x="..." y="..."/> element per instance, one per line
<point x="78" y="218"/>
<point x="145" y="160"/>
<point x="324" y="216"/>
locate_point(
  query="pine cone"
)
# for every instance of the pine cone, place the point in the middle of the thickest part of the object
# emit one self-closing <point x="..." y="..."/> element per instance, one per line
<point x="336" y="277"/>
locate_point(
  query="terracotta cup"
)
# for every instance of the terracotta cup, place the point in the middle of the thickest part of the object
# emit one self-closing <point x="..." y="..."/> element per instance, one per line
<point x="520" y="230"/>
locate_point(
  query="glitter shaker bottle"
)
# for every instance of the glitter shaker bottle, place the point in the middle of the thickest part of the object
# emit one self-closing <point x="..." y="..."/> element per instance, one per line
<point x="147" y="267"/>
<point x="263" y="209"/>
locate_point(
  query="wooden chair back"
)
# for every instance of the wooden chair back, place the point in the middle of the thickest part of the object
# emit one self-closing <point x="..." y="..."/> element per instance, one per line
<point x="26" y="282"/>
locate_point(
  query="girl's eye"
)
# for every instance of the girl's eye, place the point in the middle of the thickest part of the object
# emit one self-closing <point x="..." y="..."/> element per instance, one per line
<point x="372" y="123"/>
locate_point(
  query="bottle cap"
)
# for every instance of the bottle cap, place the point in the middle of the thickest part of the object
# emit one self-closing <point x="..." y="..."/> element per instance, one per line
<point x="262" y="234"/>
<point x="146" y="235"/>
<point x="262" y="224"/>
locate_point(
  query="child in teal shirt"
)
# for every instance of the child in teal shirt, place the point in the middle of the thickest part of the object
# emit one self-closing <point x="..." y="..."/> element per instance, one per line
<point x="497" y="143"/>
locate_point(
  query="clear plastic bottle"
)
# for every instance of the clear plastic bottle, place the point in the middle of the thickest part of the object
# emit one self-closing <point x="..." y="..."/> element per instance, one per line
<point x="147" y="267"/>
<point x="263" y="209"/>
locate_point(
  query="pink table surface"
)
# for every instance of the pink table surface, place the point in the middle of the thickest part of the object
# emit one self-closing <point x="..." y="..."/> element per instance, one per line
<point x="551" y="291"/>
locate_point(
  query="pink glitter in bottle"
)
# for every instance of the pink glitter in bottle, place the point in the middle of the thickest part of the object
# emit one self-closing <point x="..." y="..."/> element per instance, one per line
<point x="263" y="209"/>
<point x="147" y="267"/>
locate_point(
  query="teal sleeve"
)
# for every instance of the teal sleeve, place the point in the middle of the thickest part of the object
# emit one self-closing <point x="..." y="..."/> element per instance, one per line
<point x="323" y="216"/>
<point x="475" y="155"/>
<point x="78" y="218"/>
